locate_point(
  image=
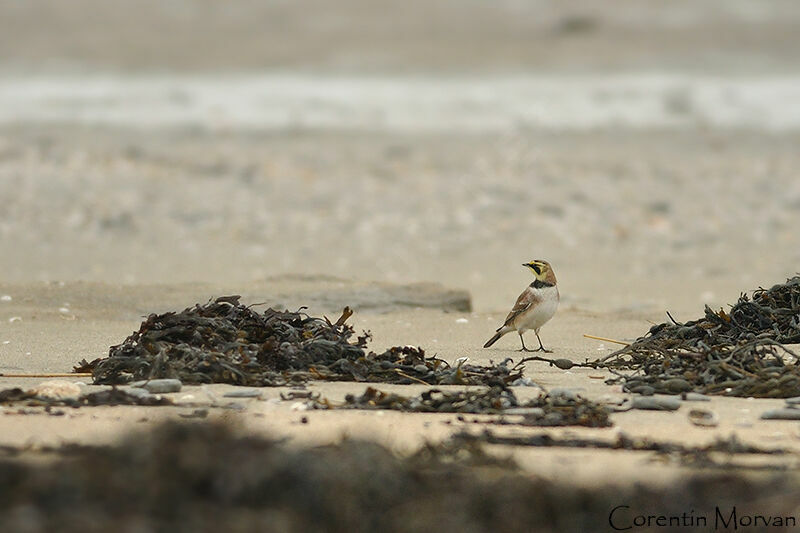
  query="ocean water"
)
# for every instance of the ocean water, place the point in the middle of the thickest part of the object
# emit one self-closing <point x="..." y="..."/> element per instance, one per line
<point x="274" y="102"/>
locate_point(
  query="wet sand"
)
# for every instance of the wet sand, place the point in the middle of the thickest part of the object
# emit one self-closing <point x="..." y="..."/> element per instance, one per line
<point x="630" y="219"/>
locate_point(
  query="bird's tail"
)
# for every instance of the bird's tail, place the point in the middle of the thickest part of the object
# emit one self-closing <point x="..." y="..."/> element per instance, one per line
<point x="494" y="339"/>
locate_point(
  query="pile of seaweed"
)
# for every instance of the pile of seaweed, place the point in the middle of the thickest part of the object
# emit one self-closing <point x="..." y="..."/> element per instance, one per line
<point x="224" y="341"/>
<point x="544" y="410"/>
<point x="202" y="477"/>
<point x="738" y="353"/>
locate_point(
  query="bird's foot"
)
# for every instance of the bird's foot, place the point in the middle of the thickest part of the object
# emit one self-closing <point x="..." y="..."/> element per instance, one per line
<point x="542" y="349"/>
<point x="523" y="349"/>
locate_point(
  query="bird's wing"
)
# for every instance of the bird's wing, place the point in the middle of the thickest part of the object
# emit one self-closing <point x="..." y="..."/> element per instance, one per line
<point x="524" y="302"/>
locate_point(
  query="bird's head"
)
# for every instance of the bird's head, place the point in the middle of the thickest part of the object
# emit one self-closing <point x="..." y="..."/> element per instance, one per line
<point x="541" y="270"/>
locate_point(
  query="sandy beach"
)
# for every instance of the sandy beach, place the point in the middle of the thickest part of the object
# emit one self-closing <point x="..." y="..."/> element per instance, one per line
<point x="405" y="166"/>
<point x="49" y="337"/>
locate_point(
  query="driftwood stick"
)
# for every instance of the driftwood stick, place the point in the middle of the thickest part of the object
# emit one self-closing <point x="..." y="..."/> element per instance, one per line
<point x="605" y="339"/>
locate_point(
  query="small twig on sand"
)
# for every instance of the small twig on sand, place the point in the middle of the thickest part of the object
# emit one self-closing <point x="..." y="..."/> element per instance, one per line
<point x="412" y="378"/>
<point x="605" y="339"/>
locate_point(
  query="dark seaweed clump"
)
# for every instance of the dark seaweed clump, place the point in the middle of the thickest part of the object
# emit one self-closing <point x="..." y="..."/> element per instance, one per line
<point x="738" y="353"/>
<point x="224" y="341"/>
<point x="545" y="410"/>
<point x="111" y="396"/>
<point x="201" y="477"/>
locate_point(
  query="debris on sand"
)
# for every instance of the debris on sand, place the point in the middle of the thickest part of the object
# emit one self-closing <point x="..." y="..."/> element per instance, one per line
<point x="113" y="396"/>
<point x="202" y="477"/>
<point x="545" y="410"/>
<point x="730" y="445"/>
<point x="703" y="418"/>
<point x="787" y="413"/>
<point x="159" y="386"/>
<point x="224" y="341"/>
<point x="655" y="403"/>
<point x="722" y="453"/>
<point x="57" y="390"/>
<point x="743" y="352"/>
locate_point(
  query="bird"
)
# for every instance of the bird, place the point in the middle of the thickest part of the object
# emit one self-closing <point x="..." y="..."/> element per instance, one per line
<point x="535" y="306"/>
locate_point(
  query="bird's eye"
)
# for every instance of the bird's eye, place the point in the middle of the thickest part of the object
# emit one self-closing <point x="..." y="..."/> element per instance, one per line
<point x="536" y="268"/>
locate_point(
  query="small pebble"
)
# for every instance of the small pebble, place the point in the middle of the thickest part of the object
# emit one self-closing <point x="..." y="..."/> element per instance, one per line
<point x="5" y="298"/>
<point x="695" y="397"/>
<point x="524" y="382"/>
<point x="461" y="321"/>
<point x="527" y="411"/>
<point x="567" y="394"/>
<point x="677" y="385"/>
<point x="138" y="393"/>
<point x="14" y="319"/>
<point x="197" y="413"/>
<point x="422" y="369"/>
<point x="159" y="386"/>
<point x="656" y="403"/>
<point x="703" y="418"/>
<point x="781" y="414"/>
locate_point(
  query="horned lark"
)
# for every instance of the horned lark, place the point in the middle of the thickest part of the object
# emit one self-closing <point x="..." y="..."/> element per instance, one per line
<point x="535" y="306"/>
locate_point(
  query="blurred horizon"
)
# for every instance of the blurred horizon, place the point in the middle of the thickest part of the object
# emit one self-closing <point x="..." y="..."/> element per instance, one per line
<point x="647" y="149"/>
<point x="379" y="36"/>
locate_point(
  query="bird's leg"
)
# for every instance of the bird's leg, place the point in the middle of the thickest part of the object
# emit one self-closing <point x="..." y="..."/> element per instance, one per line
<point x="524" y="349"/>
<point x="541" y="347"/>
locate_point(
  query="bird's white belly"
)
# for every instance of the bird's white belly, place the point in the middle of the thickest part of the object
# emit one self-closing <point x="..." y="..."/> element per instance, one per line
<point x="535" y="318"/>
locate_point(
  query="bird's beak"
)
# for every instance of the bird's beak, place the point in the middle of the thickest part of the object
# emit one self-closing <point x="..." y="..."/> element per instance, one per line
<point x="536" y="268"/>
